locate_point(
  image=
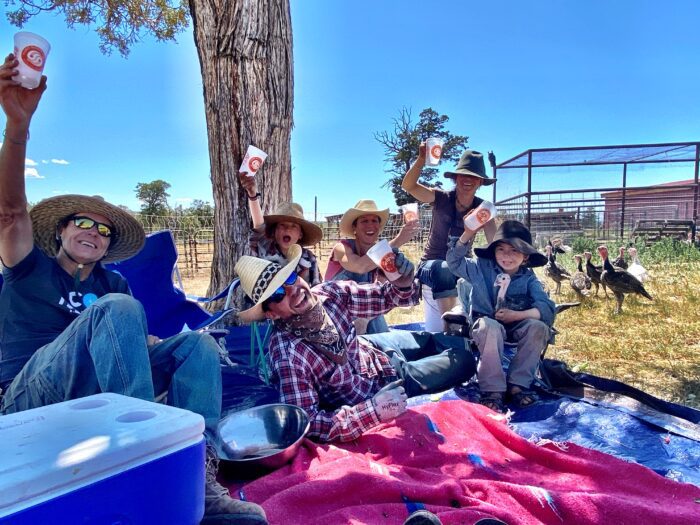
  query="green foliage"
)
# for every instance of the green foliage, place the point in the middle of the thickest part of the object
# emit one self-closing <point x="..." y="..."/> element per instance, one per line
<point x="401" y="148"/>
<point x="154" y="196"/>
<point x="120" y="24"/>
<point x="665" y="250"/>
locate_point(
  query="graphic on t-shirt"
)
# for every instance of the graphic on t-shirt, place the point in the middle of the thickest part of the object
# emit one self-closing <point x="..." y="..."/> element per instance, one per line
<point x="73" y="304"/>
<point x="88" y="299"/>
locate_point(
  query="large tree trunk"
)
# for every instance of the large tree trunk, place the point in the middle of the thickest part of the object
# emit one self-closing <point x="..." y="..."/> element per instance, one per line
<point x="245" y="53"/>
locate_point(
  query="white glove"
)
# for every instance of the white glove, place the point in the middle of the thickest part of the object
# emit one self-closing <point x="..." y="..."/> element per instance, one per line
<point x="403" y="265"/>
<point x="390" y="401"/>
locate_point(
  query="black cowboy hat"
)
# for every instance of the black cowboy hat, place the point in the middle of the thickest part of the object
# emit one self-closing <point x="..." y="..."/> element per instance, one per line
<point x="518" y="236"/>
<point x="471" y="163"/>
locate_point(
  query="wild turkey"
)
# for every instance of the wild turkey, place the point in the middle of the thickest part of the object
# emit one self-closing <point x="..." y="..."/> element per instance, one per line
<point x="620" y="261"/>
<point x="636" y="267"/>
<point x="580" y="282"/>
<point x="619" y="281"/>
<point x="594" y="272"/>
<point x="555" y="271"/>
<point x="502" y="282"/>
<point x="560" y="247"/>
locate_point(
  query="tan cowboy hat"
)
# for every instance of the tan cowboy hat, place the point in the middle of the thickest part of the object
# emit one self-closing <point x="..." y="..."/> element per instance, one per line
<point x="128" y="236"/>
<point x="260" y="278"/>
<point x="363" y="207"/>
<point x="293" y="212"/>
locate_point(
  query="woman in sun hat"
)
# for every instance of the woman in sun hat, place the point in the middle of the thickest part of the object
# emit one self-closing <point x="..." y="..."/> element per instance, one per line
<point x="449" y="210"/>
<point x="274" y="234"/>
<point x="361" y="227"/>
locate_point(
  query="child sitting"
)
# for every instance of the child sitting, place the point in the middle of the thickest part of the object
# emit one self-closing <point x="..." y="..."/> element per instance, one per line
<point x="273" y="234"/>
<point x="508" y="303"/>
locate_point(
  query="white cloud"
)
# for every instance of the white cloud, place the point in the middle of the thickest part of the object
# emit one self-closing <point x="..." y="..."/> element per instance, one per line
<point x="44" y="161"/>
<point x="60" y="161"/>
<point x="32" y="173"/>
<point x="30" y="162"/>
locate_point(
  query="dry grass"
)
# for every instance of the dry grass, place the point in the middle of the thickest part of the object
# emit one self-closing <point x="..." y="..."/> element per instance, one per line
<point x="653" y="346"/>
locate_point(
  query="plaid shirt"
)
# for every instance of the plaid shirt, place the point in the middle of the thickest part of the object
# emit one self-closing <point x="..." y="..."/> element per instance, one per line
<point x="337" y="397"/>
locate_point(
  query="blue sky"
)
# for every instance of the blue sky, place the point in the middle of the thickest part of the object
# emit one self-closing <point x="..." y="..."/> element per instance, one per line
<point x="511" y="75"/>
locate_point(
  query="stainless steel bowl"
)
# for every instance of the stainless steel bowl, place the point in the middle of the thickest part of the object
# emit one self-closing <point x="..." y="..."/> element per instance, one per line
<point x="266" y="436"/>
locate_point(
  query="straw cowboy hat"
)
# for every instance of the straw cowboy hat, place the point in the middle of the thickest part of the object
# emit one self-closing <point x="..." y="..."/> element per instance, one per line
<point x="260" y="278"/>
<point x="363" y="207"/>
<point x="471" y="163"/>
<point x="293" y="212"/>
<point x="128" y="236"/>
<point x="518" y="236"/>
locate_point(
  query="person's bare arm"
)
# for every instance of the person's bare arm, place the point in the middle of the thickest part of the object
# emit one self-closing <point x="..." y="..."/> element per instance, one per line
<point x="19" y="105"/>
<point x="410" y="180"/>
<point x="351" y="261"/>
<point x="251" y="189"/>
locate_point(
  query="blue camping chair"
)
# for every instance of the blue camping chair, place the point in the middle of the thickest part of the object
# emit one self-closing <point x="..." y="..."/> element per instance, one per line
<point x="169" y="310"/>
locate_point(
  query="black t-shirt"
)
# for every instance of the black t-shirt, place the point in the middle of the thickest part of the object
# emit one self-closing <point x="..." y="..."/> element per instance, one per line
<point x="447" y="221"/>
<point x="38" y="301"/>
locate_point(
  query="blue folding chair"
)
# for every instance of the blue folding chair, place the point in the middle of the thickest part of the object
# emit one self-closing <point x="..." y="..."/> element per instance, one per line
<point x="169" y="310"/>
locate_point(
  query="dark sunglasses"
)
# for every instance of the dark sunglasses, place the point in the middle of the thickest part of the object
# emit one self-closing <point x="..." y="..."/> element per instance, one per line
<point x="278" y="295"/>
<point x="85" y="223"/>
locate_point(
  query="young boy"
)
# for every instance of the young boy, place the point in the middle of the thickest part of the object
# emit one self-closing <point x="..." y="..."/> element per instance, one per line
<point x="521" y="313"/>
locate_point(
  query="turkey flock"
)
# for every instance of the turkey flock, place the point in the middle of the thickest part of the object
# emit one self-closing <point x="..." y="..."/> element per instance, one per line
<point x="619" y="276"/>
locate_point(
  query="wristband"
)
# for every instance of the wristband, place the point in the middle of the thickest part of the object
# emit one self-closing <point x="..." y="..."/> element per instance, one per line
<point x="13" y="141"/>
<point x="254" y="197"/>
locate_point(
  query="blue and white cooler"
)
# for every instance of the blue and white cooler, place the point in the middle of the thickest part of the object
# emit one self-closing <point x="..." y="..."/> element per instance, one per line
<point x="103" y="459"/>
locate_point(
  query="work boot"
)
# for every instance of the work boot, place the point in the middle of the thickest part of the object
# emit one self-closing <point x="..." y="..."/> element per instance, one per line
<point x="220" y="508"/>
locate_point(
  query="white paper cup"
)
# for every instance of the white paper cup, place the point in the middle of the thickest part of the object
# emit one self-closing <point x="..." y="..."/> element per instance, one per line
<point x="480" y="216"/>
<point x="410" y="211"/>
<point x="31" y="51"/>
<point x="253" y="160"/>
<point x="385" y="259"/>
<point x="433" y="151"/>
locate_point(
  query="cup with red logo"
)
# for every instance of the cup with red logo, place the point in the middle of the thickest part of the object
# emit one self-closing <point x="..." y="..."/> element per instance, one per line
<point x="479" y="216"/>
<point x="433" y="151"/>
<point x="31" y="51"/>
<point x="410" y="212"/>
<point x="253" y="160"/>
<point x="384" y="257"/>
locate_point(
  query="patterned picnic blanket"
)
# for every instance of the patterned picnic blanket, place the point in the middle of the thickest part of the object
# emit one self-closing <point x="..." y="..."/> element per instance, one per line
<point x="462" y="462"/>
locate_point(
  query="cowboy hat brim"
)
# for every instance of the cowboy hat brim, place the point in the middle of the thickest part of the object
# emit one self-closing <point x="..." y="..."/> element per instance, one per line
<point x="46" y="216"/>
<point x="534" y="258"/>
<point x="256" y="313"/>
<point x="485" y="181"/>
<point x="312" y="233"/>
<point x="355" y="213"/>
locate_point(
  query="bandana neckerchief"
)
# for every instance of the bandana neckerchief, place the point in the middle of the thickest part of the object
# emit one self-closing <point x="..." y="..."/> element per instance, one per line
<point x="316" y="327"/>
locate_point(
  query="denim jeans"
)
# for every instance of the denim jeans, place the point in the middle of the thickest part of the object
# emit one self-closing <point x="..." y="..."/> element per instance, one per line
<point x="437" y="275"/>
<point x="104" y="350"/>
<point x="427" y="362"/>
<point x="378" y="324"/>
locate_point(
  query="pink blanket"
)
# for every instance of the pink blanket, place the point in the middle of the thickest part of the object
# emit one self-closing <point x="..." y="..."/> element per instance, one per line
<point x="460" y="462"/>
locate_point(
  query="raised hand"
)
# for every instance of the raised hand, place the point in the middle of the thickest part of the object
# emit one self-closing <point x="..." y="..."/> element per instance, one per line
<point x="18" y="103"/>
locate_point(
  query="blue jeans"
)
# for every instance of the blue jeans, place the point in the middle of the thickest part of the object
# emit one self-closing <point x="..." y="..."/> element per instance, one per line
<point x="437" y="275"/>
<point x="377" y="325"/>
<point x="104" y="350"/>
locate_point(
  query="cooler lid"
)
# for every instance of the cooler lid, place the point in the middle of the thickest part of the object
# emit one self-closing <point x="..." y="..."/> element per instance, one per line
<point x="58" y="448"/>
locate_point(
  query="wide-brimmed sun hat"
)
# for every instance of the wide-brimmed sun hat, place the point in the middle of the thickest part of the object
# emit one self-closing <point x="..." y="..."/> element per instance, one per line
<point x="293" y="212"/>
<point x="128" y="236"/>
<point x="518" y="236"/>
<point x="363" y="207"/>
<point x="471" y="163"/>
<point x="260" y="278"/>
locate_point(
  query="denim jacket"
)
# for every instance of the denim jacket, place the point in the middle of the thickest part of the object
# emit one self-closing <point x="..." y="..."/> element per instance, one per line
<point x="524" y="292"/>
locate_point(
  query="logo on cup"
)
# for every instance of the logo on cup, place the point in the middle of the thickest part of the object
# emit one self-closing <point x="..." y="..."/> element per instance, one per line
<point x="436" y="151"/>
<point x="34" y="57"/>
<point x="483" y="216"/>
<point x="254" y="163"/>
<point x="388" y="263"/>
<point x="410" y="216"/>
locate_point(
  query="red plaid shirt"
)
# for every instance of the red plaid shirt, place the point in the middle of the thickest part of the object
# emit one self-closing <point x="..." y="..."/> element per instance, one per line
<point x="337" y="397"/>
